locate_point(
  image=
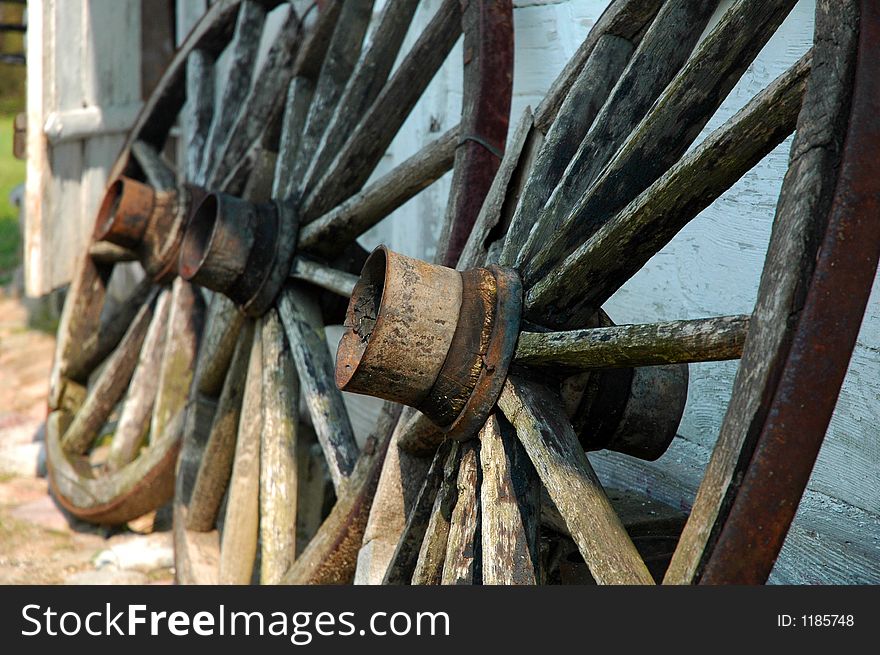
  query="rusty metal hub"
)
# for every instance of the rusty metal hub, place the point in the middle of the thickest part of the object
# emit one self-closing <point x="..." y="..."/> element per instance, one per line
<point x="240" y="249"/>
<point x="431" y="337"/>
<point x="151" y="223"/>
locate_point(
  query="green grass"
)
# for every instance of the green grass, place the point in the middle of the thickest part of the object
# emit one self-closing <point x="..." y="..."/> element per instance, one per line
<point x="11" y="175"/>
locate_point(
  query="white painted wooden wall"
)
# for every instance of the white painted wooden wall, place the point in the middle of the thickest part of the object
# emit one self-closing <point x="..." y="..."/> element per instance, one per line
<point x="84" y="90"/>
<point x="711" y="268"/>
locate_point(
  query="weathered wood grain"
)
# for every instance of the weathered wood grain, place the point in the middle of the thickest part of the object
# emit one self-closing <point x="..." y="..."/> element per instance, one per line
<point x="510" y="508"/>
<point x="563" y="467"/>
<point x="659" y="57"/>
<point x="331" y="233"/>
<point x="222" y="327"/>
<point x="463" y="561"/>
<point x="489" y="220"/>
<point x="110" y="385"/>
<point x="278" y="465"/>
<point x="620" y="247"/>
<point x="238" y="541"/>
<point x="588" y="94"/>
<point x="199" y="110"/>
<point x="397" y="493"/>
<point x="134" y="419"/>
<point x="242" y="54"/>
<point x="305" y="333"/>
<point x="271" y="82"/>
<point x="158" y="173"/>
<point x="402" y="564"/>
<point x="432" y="554"/>
<point x="217" y="460"/>
<point x="366" y="82"/>
<point x="314" y="487"/>
<point x="421" y="437"/>
<point x="354" y="164"/>
<point x="321" y="275"/>
<point x="307" y="69"/>
<point x="671" y="125"/>
<point x="296" y="110"/>
<point x="801" y="215"/>
<point x="674" y="342"/>
<point x="331" y="556"/>
<point x="339" y="64"/>
<point x="185" y="323"/>
<point x="623" y="18"/>
<point x="95" y="333"/>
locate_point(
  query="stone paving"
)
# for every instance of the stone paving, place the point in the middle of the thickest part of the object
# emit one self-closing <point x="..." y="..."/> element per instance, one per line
<point x="39" y="542"/>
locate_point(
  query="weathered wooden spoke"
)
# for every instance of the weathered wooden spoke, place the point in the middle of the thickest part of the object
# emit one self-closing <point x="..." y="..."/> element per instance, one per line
<point x="677" y="342"/>
<point x="577" y="218"/>
<point x="123" y="367"/>
<point x="281" y="252"/>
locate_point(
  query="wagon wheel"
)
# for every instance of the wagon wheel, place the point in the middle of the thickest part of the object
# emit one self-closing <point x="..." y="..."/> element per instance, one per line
<point x="596" y="194"/>
<point x="122" y="370"/>
<point x="250" y="487"/>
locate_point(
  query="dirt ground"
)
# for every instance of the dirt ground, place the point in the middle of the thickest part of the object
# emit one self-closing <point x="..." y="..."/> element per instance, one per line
<point x="40" y="543"/>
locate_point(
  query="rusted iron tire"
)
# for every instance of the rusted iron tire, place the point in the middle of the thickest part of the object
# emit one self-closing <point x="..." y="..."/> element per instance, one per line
<point x="122" y="368"/>
<point x="587" y="217"/>
<point x="263" y="493"/>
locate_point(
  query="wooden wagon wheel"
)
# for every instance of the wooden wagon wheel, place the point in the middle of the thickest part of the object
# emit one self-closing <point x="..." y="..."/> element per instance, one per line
<point x="122" y="370"/>
<point x="586" y="198"/>
<point x="250" y="488"/>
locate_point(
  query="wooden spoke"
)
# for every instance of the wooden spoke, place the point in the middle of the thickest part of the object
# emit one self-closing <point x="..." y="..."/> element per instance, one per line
<point x="104" y="252"/>
<point x="588" y="94"/>
<point x="517" y="158"/>
<point x="659" y="140"/>
<point x="432" y="555"/>
<point x="510" y="508"/>
<point x="134" y="419"/>
<point x="222" y="327"/>
<point x="199" y="111"/>
<point x="300" y="317"/>
<point x="626" y="19"/>
<point x="242" y="53"/>
<point x="157" y="171"/>
<point x="307" y="68"/>
<point x="179" y="355"/>
<point x="326" y="277"/>
<point x="807" y="191"/>
<point x="362" y="152"/>
<point x="403" y="562"/>
<point x="278" y="444"/>
<point x="463" y="561"/>
<point x="253" y="118"/>
<point x="566" y="472"/>
<point x="331" y="556"/>
<point x="216" y="464"/>
<point x="99" y="341"/>
<point x="620" y="346"/>
<point x="339" y="63"/>
<point x="421" y="436"/>
<point x="400" y="484"/>
<point x="238" y="543"/>
<point x="365" y="84"/>
<point x="110" y="385"/>
<point x="620" y="247"/>
<point x="661" y="54"/>
<point x="328" y="235"/>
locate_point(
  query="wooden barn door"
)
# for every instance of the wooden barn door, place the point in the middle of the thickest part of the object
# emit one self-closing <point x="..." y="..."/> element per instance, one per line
<point x="85" y="74"/>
